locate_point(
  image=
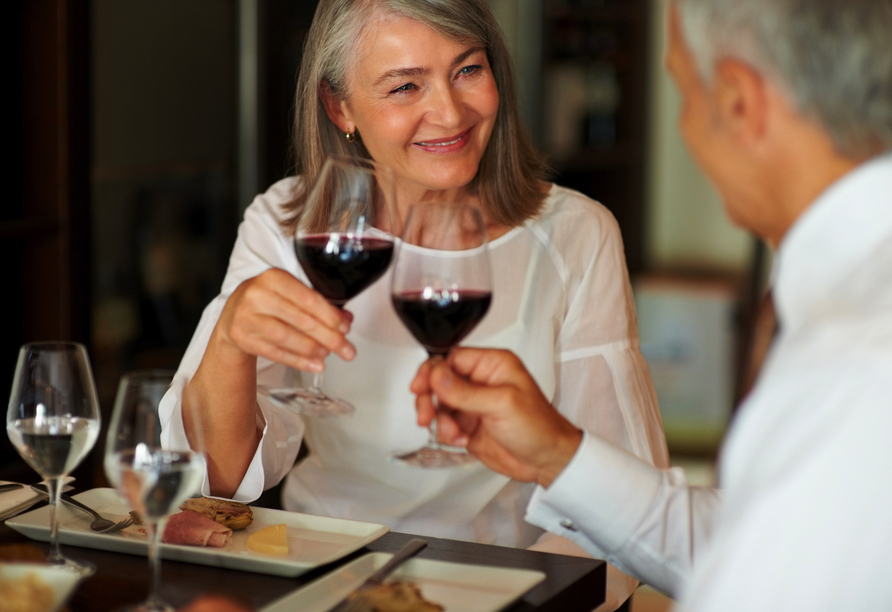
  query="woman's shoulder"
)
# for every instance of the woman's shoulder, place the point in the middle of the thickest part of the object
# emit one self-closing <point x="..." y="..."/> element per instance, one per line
<point x="569" y="210"/>
<point x="272" y="203"/>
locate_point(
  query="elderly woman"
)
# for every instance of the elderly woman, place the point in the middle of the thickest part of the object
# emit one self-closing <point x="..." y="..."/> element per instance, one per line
<point x="425" y="87"/>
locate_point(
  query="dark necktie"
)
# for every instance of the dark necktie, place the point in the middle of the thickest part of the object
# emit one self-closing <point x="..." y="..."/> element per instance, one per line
<point x="764" y="330"/>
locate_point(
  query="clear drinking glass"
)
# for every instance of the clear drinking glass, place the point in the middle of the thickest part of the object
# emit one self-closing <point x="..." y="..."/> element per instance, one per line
<point x="441" y="288"/>
<point x="344" y="243"/>
<point x="155" y="480"/>
<point x="53" y="421"/>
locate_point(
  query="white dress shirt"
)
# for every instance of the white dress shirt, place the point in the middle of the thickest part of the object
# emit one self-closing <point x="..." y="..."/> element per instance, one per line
<point x="804" y="520"/>
<point x="561" y="301"/>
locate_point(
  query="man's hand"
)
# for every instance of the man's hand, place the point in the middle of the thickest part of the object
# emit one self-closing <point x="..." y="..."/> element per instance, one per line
<point x="490" y="405"/>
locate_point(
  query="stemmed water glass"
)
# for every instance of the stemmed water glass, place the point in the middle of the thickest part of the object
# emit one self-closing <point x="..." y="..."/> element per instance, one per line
<point x="441" y="289"/>
<point x="155" y="480"/>
<point x="53" y="421"/>
<point x="344" y="243"/>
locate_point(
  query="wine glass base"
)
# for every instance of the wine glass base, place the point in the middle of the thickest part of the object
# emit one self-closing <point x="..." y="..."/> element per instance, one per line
<point x="432" y="457"/>
<point x="310" y="402"/>
<point x="84" y="569"/>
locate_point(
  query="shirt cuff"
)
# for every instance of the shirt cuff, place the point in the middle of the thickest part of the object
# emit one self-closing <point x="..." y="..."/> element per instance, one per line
<point x="599" y="499"/>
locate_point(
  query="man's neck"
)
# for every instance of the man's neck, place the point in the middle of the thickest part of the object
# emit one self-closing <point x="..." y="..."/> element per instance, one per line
<point x="805" y="165"/>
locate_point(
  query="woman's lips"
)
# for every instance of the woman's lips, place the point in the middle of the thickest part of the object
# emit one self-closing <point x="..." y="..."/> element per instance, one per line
<point x="444" y="145"/>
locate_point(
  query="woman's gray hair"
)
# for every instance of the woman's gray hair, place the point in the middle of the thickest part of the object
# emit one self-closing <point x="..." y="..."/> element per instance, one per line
<point x="832" y="58"/>
<point x="509" y="179"/>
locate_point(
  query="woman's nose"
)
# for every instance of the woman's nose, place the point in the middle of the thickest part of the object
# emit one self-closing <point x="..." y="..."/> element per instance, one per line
<point x="446" y="107"/>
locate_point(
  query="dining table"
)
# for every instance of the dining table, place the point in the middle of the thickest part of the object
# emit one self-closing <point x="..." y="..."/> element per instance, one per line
<point x="571" y="584"/>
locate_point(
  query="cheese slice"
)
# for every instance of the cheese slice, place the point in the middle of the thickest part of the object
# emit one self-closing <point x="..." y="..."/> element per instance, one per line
<point x="270" y="541"/>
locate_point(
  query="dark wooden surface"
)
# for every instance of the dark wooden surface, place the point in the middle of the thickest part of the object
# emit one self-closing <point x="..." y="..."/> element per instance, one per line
<point x="572" y="584"/>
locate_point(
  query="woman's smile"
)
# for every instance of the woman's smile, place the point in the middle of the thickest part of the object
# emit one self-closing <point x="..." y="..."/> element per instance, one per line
<point x="444" y="145"/>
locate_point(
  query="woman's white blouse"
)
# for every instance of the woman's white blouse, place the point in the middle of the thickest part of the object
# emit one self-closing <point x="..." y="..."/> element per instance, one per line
<point x="561" y="301"/>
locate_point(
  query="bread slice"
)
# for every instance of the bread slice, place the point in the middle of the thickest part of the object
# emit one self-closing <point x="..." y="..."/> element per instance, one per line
<point x="397" y="597"/>
<point x="234" y="515"/>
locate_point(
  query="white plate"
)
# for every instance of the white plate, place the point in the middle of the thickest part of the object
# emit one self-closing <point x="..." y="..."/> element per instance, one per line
<point x="455" y="586"/>
<point x="312" y="540"/>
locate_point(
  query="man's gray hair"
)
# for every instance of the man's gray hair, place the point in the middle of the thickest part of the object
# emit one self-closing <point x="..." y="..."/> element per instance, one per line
<point x="832" y="58"/>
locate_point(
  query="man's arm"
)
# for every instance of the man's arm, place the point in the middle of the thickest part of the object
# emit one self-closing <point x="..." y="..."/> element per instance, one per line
<point x="647" y="522"/>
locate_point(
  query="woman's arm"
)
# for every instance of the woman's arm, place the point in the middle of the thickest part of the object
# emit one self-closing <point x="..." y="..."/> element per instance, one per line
<point x="274" y="316"/>
<point x="264" y="313"/>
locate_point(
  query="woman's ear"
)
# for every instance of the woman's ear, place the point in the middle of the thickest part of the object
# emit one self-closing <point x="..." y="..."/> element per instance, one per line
<point x="335" y="108"/>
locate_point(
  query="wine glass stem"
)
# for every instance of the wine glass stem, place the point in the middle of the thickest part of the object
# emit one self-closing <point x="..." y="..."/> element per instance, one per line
<point x="317" y="383"/>
<point x="157" y="528"/>
<point x="54" y="488"/>
<point x="432" y="440"/>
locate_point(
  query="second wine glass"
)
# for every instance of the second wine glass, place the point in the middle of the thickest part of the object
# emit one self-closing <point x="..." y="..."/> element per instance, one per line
<point x="344" y="243"/>
<point x="155" y="480"/>
<point x="441" y="288"/>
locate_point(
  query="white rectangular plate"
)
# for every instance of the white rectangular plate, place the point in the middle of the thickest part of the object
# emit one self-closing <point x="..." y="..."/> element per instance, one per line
<point x="455" y="586"/>
<point x="312" y="540"/>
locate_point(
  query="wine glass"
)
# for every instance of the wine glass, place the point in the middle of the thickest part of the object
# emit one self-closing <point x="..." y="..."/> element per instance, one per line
<point x="441" y="289"/>
<point x="155" y="480"/>
<point x="344" y="243"/>
<point x="53" y="421"/>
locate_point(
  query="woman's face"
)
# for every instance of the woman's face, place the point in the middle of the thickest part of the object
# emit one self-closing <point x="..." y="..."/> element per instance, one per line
<point x="423" y="104"/>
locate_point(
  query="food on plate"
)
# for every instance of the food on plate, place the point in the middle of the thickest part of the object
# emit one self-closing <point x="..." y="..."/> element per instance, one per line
<point x="231" y="514"/>
<point x="397" y="597"/>
<point x="193" y="529"/>
<point x="26" y="594"/>
<point x="271" y="540"/>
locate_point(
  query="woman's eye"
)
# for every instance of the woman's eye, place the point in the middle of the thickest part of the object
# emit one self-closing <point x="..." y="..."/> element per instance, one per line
<point x="403" y="88"/>
<point x="469" y="69"/>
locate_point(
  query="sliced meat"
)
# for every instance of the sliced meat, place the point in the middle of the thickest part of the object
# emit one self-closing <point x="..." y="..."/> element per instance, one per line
<point x="192" y="529"/>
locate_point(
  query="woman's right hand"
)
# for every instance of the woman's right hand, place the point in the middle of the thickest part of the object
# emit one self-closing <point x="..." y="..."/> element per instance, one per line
<point x="276" y="316"/>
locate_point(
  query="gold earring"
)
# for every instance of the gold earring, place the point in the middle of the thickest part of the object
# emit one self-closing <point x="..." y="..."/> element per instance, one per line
<point x="350" y="136"/>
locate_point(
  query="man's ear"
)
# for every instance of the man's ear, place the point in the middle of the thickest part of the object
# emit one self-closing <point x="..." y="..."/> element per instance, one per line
<point x="742" y="99"/>
<point x="335" y="108"/>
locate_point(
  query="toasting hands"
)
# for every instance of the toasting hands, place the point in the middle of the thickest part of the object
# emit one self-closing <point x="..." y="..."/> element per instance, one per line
<point x="496" y="411"/>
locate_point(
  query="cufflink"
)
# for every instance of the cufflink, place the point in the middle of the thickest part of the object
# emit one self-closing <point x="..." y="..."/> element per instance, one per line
<point x="568" y="525"/>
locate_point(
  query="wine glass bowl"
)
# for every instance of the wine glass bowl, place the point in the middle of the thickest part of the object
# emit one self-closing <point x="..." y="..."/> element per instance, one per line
<point x="441" y="288"/>
<point x="53" y="421"/>
<point x="344" y="242"/>
<point x="154" y="478"/>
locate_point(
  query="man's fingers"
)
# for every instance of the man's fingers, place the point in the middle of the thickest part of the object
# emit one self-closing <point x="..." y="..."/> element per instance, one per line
<point x="424" y="406"/>
<point x="449" y="431"/>
<point x="421" y="383"/>
<point x="463" y="394"/>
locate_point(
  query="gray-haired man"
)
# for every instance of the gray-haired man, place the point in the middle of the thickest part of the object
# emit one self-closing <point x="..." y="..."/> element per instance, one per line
<point x="788" y="109"/>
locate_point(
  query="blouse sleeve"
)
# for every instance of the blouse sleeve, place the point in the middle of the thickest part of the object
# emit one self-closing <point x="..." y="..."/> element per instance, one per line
<point x="260" y="246"/>
<point x="604" y="383"/>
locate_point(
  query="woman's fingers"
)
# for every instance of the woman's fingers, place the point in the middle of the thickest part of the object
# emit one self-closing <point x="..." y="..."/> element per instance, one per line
<point x="276" y="316"/>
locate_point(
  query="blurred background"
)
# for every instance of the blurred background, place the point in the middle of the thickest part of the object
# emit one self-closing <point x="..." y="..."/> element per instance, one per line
<point x="139" y="131"/>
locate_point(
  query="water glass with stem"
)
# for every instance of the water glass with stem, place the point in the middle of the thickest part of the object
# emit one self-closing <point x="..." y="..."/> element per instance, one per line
<point x="154" y="478"/>
<point x="53" y="422"/>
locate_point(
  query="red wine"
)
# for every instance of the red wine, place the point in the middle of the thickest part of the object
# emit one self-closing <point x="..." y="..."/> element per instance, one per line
<point x="341" y="266"/>
<point x="441" y="321"/>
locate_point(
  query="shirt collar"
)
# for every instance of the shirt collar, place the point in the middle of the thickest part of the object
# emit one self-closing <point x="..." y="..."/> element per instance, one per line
<point x="831" y="238"/>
